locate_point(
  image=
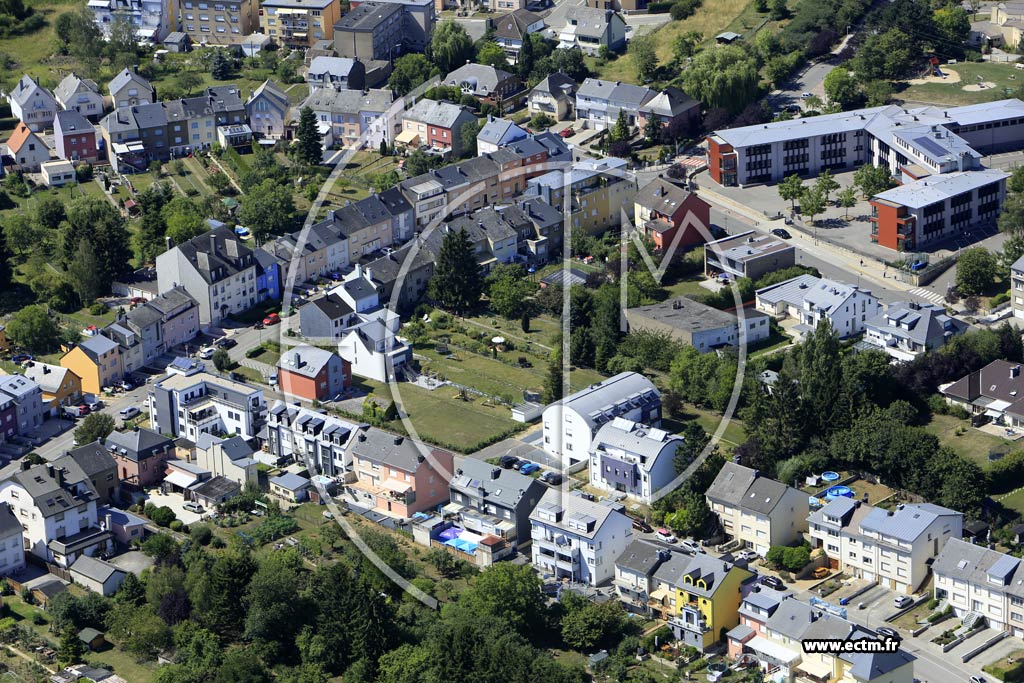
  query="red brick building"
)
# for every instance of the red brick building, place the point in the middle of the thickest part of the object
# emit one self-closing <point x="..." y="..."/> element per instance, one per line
<point x="662" y="208"/>
<point x="313" y="374"/>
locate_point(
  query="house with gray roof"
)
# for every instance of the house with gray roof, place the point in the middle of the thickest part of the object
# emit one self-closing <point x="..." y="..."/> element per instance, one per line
<point x="747" y="254"/>
<point x="674" y="109"/>
<point x="306" y="435"/>
<point x="892" y="547"/>
<point x="232" y="458"/>
<point x="598" y="102"/>
<point x="488" y="85"/>
<point x="140" y="455"/>
<point x="703" y="327"/>
<point x="434" y="125"/>
<point x="512" y="29"/>
<point x="97" y="575"/>
<point x="489" y="500"/>
<point x="908" y="329"/>
<point x="981" y="584"/>
<point x="363" y="117"/>
<point x="267" y="109"/>
<point x="635" y="459"/>
<point x="497" y="133"/>
<point x="33" y="104"/>
<point x="634" y="570"/>
<point x="27" y="397"/>
<point x="128" y="89"/>
<point x="12" y="555"/>
<point x="313" y="374"/>
<point x="755" y="510"/>
<point x="338" y="73"/>
<point x="555" y="96"/>
<point x="809" y="300"/>
<point x="290" y="487"/>
<point x="82" y="95"/>
<point x="590" y="29"/>
<point x="994" y="391"/>
<point x="571" y="423"/>
<point x="397" y="475"/>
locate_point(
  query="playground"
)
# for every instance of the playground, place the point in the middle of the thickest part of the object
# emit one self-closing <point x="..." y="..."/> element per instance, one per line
<point x="964" y="83"/>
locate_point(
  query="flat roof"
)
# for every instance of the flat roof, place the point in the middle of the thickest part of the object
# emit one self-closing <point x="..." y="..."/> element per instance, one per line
<point x="938" y="188"/>
<point x="746" y="246"/>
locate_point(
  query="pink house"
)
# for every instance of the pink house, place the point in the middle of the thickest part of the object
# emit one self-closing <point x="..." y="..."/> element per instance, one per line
<point x="397" y="475"/>
<point x="754" y="612"/>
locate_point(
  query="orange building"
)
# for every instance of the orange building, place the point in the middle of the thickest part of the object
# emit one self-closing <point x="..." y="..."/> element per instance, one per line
<point x="721" y="161"/>
<point x="662" y="208"/>
<point x="97" y="360"/>
<point x="313" y="374"/>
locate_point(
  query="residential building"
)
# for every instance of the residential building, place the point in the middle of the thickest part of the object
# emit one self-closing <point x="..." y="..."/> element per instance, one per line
<point x="131" y="351"/>
<point x="570" y="424"/>
<point x="97" y="360"/>
<point x="141" y="455"/>
<point x="290" y="487"/>
<point x="699" y="597"/>
<point x="577" y="539"/>
<point x="634" y="570"/>
<point x="32" y="104"/>
<point x="488" y="85"/>
<point x="506" y="5"/>
<point x="498" y="133"/>
<point x="591" y="29"/>
<point x="385" y="272"/>
<point x="213" y="491"/>
<point x="312" y="374"/>
<point x="225" y="23"/>
<point x="809" y="299"/>
<point x="675" y="111"/>
<point x="981" y="585"/>
<point x="703" y="327"/>
<point x="911" y="143"/>
<point x="597" y="190"/>
<point x="129" y="89"/>
<point x="192" y="404"/>
<point x="81" y="95"/>
<point x="125" y="526"/>
<point x="671" y="216"/>
<point x="153" y="20"/>
<point x="918" y="215"/>
<point x="598" y="103"/>
<point x="57" y="511"/>
<point x="267" y="109"/>
<point x="757" y="511"/>
<point x="60" y="386"/>
<point x="398" y="475"/>
<point x="57" y="173"/>
<point x="994" y="391"/>
<point x="299" y="23"/>
<point x="419" y="17"/>
<point x="555" y="96"/>
<point x="907" y="329"/>
<point x="356" y="117"/>
<point x="310" y="436"/>
<point x="436" y="125"/>
<point x="179" y="321"/>
<point x="364" y="227"/>
<point x="489" y="500"/>
<point x="893" y="547"/>
<point x="97" y="575"/>
<point x="747" y="254"/>
<point x="513" y="28"/>
<point x="8" y="417"/>
<point x="373" y="349"/>
<point x="754" y="611"/>
<point x="74" y="138"/>
<point x="624" y="6"/>
<point x="232" y="459"/>
<point x="336" y="73"/>
<point x="632" y="458"/>
<point x="177" y="42"/>
<point x="28" y="407"/>
<point x="12" y="550"/>
<point x="216" y="269"/>
<point x="28" y="149"/>
<point x="93" y="463"/>
<point x="1017" y="287"/>
<point x="372" y="30"/>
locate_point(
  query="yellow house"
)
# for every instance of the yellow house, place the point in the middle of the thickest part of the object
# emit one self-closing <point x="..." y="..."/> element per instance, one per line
<point x="699" y="596"/>
<point x="60" y="386"/>
<point x="97" y="360"/>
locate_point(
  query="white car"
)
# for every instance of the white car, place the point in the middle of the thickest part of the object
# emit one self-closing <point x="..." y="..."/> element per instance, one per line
<point x="901" y="601"/>
<point x="806" y="95"/>
<point x="665" y="535"/>
<point x="748" y="555"/>
<point x="206" y="352"/>
<point x="691" y="546"/>
<point x="128" y="413"/>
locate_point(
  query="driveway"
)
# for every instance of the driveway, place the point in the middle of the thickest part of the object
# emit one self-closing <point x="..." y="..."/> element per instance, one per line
<point x="133" y="561"/>
<point x="176" y="502"/>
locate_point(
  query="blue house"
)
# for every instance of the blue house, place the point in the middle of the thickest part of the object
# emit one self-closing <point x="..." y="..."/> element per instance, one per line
<point x="268" y="275"/>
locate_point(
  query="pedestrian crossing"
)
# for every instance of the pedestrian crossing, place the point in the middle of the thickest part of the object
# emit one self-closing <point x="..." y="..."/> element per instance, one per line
<point x="928" y="295"/>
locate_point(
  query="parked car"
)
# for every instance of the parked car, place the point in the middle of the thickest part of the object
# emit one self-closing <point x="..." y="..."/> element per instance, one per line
<point x="258" y="326"/>
<point x="93" y="402"/>
<point x="125" y="385"/>
<point x="226" y="343"/>
<point x="782" y="232"/>
<point x="517" y="465"/>
<point x="137" y="300"/>
<point x="772" y="582"/>
<point x="75" y="412"/>
<point x="901" y="601"/>
<point x="206" y="352"/>
<point x="978" y="679"/>
<point x="887" y="632"/>
<point x="529" y="468"/>
<point x="20" y="358"/>
<point x="691" y="546"/>
<point x="272" y="319"/>
<point x="665" y="535"/>
<point x="192" y="506"/>
<point x="748" y="555"/>
<point x="551" y="478"/>
<point x="128" y="413"/>
<point x="507" y="461"/>
<point x="806" y="95"/>
<point x="236" y="376"/>
<point x="821" y="572"/>
<point x="566" y="132"/>
<point x="641" y="525"/>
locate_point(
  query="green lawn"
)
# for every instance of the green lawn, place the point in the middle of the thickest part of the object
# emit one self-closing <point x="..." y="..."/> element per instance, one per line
<point x="1004" y="671"/>
<point x="734" y="433"/>
<point x="1002" y="75"/>
<point x="972" y="443"/>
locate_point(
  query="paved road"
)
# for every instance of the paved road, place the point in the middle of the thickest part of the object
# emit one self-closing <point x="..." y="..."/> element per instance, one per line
<point x="54" y="448"/>
<point x="810" y="80"/>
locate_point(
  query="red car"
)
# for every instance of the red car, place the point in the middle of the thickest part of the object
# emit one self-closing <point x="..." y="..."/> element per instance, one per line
<point x="272" y="319"/>
<point x="566" y="132"/>
<point x="138" y="300"/>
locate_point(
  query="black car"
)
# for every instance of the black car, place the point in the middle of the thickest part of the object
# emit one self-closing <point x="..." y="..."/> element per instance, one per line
<point x="518" y="463"/>
<point x="781" y="232"/>
<point x="641" y="525"/>
<point x="226" y="343"/>
<point x="887" y="632"/>
<point x="509" y="461"/>
<point x="236" y="376"/>
<point x="551" y="478"/>
<point x="772" y="582"/>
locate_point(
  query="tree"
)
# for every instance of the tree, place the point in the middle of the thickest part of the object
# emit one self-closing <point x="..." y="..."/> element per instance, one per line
<point x="508" y="291"/>
<point x="686" y="44"/>
<point x="525" y="59"/>
<point x="652" y="131"/>
<point x="138" y="630"/>
<point x="21" y="234"/>
<point x="812" y="203"/>
<point x="95" y="426"/>
<point x="267" y="209"/>
<point x="841" y="88"/>
<point x="871" y="180"/>
<point x="791" y="189"/>
<point x="693" y="518"/>
<point x="1015" y="183"/>
<point x="586" y="624"/>
<point x="242" y="666"/>
<point x="779" y="10"/>
<point x="975" y="270"/>
<point x="644" y="57"/>
<point x="726" y="77"/>
<point x="491" y="54"/>
<point x="71" y="649"/>
<point x="820" y="378"/>
<point x="826" y="184"/>
<point x="95" y="220"/>
<point x="467" y="136"/>
<point x="308" y="140"/>
<point x="457" y="282"/>
<point x="275" y="609"/>
<point x="221" y="360"/>
<point x="410" y="71"/>
<point x="877" y="93"/>
<point x="184" y="219"/>
<point x="384" y="181"/>
<point x="220" y="67"/>
<point x="621" y="133"/>
<point x="419" y="162"/>
<point x="445" y="564"/>
<point x="33" y="329"/>
<point x="883" y="56"/>
<point x="1011" y="220"/>
<point x="553" y="385"/>
<point x="450" y="46"/>
<point x="509" y="592"/>
<point x="847" y="199"/>
<point x="188" y="81"/>
<point x="49" y="212"/>
<point x="954" y="26"/>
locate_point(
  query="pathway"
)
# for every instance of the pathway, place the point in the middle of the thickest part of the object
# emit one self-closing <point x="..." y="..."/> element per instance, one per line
<point x="227" y="175"/>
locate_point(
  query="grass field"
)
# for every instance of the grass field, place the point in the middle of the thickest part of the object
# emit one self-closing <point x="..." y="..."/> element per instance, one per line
<point x="972" y="443"/>
<point x="1004" y="671"/>
<point x="1002" y="75"/>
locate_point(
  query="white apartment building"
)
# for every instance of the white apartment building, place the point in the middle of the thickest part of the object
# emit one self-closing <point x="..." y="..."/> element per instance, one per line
<point x="908" y="329"/>
<point x="632" y="458"/>
<point x="299" y="434"/>
<point x="231" y="458"/>
<point x="571" y="423"/>
<point x="1017" y="287"/>
<point x="194" y="403"/>
<point x="810" y="299"/>
<point x="578" y="539"/>
<point x="755" y="510"/>
<point x="981" y="583"/>
<point x="153" y="19"/>
<point x="890" y="547"/>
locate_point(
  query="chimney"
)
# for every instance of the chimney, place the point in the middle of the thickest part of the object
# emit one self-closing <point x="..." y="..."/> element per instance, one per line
<point x="25" y="464"/>
<point x="399" y="440"/>
<point x="756" y="473"/>
<point x="1015" y="372"/>
<point x="495" y="472"/>
<point x="298" y="360"/>
<point x="168" y="242"/>
<point x="60" y="476"/>
<point x="109" y="521"/>
<point x="46" y="369"/>
<point x="369" y="273"/>
<point x="213" y="243"/>
<point x="362" y="437"/>
<point x="50" y="470"/>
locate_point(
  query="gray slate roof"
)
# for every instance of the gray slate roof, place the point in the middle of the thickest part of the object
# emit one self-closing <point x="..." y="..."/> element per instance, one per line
<point x="290" y="481"/>
<point x="907" y="523"/>
<point x="636" y="439"/>
<point x="615" y="92"/>
<point x="9" y="524"/>
<point x="641" y="557"/>
<point x="26" y="89"/>
<point x="443" y="114"/>
<point x="124" y="78"/>
<point x="557" y="84"/>
<point x="94" y="568"/>
<point x="393" y="450"/>
<point x="71" y="84"/>
<point x="923" y="324"/>
<point x="506" y="488"/>
<point x="307" y="361"/>
<point x="573" y="507"/>
<point x="481" y="78"/>
<point x="137" y="441"/>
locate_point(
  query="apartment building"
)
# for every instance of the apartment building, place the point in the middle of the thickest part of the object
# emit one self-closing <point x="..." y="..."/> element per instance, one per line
<point x="357" y="117"/>
<point x="60" y="386"/>
<point x="222" y="22"/>
<point x="299" y="23"/>
<point x="808" y="300"/>
<point x="267" y="109"/>
<point x="437" y="125"/>
<point x="981" y="584"/>
<point x="747" y="254"/>
<point x="74" y="138"/>
<point x="371" y="30"/>
<point x="755" y="510"/>
<point x="598" y="102"/>
<point x="232" y="458"/>
<point x="337" y="73"/>
<point x="893" y="548"/>
<point x="97" y="360"/>
<point x="671" y="216"/>
<point x="32" y="104"/>
<point x="216" y="269"/>
<point x="82" y="95"/>
<point x="703" y="327"/>
<point x="922" y="213"/>
<point x="577" y="539"/>
<point x="591" y="29"/>
<point x="634" y="571"/>
<point x="497" y="133"/>
<point x="489" y="500"/>
<point x="596" y="189"/>
<point x="313" y="374"/>
<point x="153" y="20"/>
<point x="907" y="329"/>
<point x="195" y="402"/>
<point x="139" y="455"/>
<point x="128" y="89"/>
<point x="555" y="96"/>
<point x="26" y="404"/>
<point x="397" y="475"/>
<point x="632" y="458"/>
<point x="304" y="435"/>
